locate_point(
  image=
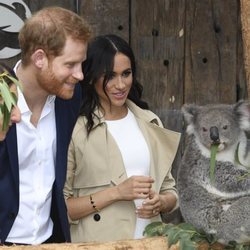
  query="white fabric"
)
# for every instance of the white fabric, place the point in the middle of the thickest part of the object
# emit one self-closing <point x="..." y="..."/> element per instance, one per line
<point x="36" y="154"/>
<point x="135" y="154"/>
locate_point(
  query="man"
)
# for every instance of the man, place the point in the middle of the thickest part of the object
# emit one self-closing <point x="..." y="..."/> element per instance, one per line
<point x="33" y="156"/>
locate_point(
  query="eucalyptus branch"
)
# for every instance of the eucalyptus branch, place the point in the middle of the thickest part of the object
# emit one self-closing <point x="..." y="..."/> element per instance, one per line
<point x="8" y="99"/>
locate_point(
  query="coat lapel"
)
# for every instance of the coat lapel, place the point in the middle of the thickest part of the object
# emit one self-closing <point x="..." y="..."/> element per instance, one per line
<point x="11" y="141"/>
<point x="115" y="158"/>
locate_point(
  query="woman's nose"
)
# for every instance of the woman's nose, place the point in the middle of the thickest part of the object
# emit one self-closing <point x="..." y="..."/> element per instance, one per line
<point x="120" y="83"/>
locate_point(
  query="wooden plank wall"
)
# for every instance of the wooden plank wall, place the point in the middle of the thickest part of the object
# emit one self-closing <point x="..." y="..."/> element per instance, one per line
<point x="187" y="51"/>
<point x="245" y="18"/>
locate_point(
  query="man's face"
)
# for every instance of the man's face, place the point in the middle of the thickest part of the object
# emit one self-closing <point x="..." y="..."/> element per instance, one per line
<point x="61" y="73"/>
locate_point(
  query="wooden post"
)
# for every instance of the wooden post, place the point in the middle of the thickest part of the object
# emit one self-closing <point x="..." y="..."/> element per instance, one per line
<point x="142" y="244"/>
<point x="245" y="19"/>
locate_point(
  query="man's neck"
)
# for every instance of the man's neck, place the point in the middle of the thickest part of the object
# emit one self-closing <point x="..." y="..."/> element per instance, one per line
<point x="34" y="95"/>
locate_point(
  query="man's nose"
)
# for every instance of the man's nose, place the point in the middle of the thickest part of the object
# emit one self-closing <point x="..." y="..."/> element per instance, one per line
<point x="78" y="74"/>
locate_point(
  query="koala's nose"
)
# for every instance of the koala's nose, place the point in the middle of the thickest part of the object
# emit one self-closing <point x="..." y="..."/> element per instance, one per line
<point x="214" y="134"/>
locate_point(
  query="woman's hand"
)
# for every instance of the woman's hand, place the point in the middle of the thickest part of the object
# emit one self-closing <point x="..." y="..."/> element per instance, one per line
<point x="150" y="207"/>
<point x="135" y="187"/>
<point x="155" y="204"/>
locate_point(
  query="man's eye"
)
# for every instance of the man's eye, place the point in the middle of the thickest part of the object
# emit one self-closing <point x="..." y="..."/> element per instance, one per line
<point x="70" y="65"/>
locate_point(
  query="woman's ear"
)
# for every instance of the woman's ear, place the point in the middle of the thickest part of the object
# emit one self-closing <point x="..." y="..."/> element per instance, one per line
<point x="39" y="58"/>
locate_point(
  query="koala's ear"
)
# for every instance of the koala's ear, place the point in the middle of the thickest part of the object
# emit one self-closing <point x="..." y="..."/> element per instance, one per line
<point x="242" y="112"/>
<point x="189" y="111"/>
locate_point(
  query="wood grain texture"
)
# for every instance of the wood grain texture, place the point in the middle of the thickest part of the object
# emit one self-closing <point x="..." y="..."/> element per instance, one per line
<point x="157" y="39"/>
<point x="154" y="243"/>
<point x="106" y="17"/>
<point x="245" y="18"/>
<point x="211" y="51"/>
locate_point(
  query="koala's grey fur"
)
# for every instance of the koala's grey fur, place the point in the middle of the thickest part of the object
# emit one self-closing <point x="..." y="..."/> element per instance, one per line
<point x="221" y="207"/>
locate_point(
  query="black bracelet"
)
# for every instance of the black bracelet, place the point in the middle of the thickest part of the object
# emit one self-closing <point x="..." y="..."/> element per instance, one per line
<point x="97" y="216"/>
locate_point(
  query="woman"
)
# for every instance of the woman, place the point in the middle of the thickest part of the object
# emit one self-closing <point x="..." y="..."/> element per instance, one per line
<point x="120" y="156"/>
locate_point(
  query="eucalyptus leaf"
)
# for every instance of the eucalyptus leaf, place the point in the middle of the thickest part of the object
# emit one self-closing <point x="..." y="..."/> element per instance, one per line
<point x="187" y="244"/>
<point x="7" y="98"/>
<point x="6" y="95"/>
<point x="153" y="229"/>
<point x="15" y="81"/>
<point x="186" y="237"/>
<point x="173" y="236"/>
<point x="6" y="115"/>
<point x="214" y="149"/>
<point x="1" y="112"/>
<point x="186" y="226"/>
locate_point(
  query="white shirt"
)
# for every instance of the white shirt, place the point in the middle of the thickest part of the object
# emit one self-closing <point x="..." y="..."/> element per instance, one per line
<point x="36" y="155"/>
<point x="135" y="154"/>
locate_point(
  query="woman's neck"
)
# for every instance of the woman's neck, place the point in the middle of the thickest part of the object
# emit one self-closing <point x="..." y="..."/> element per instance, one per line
<point x="116" y="113"/>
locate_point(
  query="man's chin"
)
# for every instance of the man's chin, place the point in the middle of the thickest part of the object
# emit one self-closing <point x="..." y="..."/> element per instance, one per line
<point x="66" y="95"/>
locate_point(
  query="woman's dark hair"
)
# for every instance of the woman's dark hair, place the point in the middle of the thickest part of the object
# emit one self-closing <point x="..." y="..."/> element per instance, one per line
<point x="100" y="59"/>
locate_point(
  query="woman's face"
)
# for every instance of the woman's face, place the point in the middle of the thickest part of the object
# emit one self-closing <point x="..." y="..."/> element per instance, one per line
<point x="118" y="86"/>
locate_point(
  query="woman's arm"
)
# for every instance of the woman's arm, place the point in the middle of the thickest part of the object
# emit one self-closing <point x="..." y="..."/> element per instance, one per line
<point x="135" y="187"/>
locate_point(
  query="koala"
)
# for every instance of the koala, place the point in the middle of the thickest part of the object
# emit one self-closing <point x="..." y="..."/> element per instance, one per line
<point x="220" y="207"/>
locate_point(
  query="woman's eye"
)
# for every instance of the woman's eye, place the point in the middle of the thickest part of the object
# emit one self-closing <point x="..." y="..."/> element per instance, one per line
<point x="126" y="73"/>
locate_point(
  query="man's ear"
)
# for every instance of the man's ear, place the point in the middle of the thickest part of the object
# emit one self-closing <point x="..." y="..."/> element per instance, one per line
<point x="39" y="58"/>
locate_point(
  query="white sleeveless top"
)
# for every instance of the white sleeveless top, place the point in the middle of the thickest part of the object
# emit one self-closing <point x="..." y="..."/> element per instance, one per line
<point x="135" y="154"/>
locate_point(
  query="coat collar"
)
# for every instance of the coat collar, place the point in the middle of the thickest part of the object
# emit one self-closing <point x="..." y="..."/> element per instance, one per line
<point x="163" y="145"/>
<point x="138" y="112"/>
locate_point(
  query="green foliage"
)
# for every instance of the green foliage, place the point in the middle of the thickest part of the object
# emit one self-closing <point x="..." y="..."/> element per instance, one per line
<point x="8" y="98"/>
<point x="214" y="149"/>
<point x="187" y="236"/>
<point x="185" y="233"/>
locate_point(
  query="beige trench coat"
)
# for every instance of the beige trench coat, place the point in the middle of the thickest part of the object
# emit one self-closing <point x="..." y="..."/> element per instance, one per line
<point x="95" y="163"/>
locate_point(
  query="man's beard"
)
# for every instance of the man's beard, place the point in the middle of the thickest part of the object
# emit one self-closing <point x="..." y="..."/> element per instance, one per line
<point x="52" y="85"/>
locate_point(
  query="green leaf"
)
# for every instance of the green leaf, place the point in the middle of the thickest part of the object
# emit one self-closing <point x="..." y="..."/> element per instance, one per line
<point x="8" y="99"/>
<point x="214" y="149"/>
<point x="187" y="244"/>
<point x="173" y="236"/>
<point x="1" y="112"/>
<point x="15" y="81"/>
<point x="154" y="229"/>
<point x="186" y="226"/>
<point x="6" y="115"/>
<point x="6" y="95"/>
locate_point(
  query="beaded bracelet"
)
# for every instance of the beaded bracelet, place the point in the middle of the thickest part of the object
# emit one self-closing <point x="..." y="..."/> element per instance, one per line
<point x="97" y="216"/>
